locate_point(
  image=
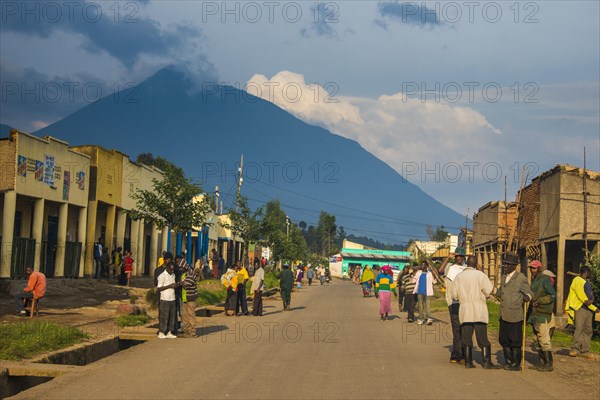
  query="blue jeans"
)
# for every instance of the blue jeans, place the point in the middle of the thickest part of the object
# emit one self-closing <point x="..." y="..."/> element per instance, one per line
<point x="424" y="306"/>
<point x="19" y="300"/>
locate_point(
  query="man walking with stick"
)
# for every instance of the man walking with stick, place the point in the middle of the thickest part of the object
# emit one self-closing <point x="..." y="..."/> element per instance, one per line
<point x="513" y="293"/>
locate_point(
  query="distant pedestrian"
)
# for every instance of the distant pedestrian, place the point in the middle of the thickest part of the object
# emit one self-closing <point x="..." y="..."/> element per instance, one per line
<point x="166" y="286"/>
<point x="450" y="272"/>
<point x="310" y="274"/>
<point x="286" y="283"/>
<point x="127" y="266"/>
<point x="513" y="292"/>
<point x="105" y="262"/>
<point x="215" y="263"/>
<point x="384" y="287"/>
<point x="366" y="280"/>
<point x="258" y="285"/>
<point x="35" y="289"/>
<point x="580" y="311"/>
<point x="229" y="280"/>
<point x="321" y="274"/>
<point x="356" y="275"/>
<point x="299" y="276"/>
<point x="242" y="278"/>
<point x="542" y="318"/>
<point x="189" y="294"/>
<point x="117" y="259"/>
<point x="401" y="287"/>
<point x="98" y="258"/>
<point x="221" y="264"/>
<point x="408" y="284"/>
<point x="471" y="288"/>
<point x="424" y="282"/>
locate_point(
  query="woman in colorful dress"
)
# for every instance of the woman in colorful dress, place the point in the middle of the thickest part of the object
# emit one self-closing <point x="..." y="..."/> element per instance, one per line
<point x="230" y="280"/>
<point x="384" y="287"/>
<point x="366" y="280"/>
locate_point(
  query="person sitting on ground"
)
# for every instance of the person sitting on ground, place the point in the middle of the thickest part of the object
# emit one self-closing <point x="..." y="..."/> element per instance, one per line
<point x="35" y="289"/>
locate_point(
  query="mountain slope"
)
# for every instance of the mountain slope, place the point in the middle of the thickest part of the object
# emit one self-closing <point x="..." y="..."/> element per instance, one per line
<point x="306" y="167"/>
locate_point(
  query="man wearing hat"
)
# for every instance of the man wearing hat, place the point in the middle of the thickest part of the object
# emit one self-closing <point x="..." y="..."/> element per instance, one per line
<point x="450" y="272"/>
<point x="541" y="318"/>
<point x="513" y="292"/>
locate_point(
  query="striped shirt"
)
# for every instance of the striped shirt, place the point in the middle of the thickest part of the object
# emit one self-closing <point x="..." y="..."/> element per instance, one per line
<point x="385" y="283"/>
<point x="407" y="282"/>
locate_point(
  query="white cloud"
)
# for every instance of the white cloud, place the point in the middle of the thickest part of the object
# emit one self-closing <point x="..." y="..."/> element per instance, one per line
<point x="395" y="128"/>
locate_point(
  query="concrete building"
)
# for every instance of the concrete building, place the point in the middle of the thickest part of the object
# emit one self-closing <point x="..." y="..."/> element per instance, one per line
<point x="113" y="181"/>
<point x="44" y="190"/>
<point x="551" y="222"/>
<point x="492" y="225"/>
<point x="428" y="247"/>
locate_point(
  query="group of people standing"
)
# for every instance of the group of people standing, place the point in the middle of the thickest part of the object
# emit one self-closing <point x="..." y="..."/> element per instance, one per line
<point x="176" y="281"/>
<point x="235" y="280"/>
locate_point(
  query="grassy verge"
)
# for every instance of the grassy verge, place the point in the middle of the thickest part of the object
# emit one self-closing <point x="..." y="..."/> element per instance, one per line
<point x="24" y="340"/>
<point x="132" y="320"/>
<point x="210" y="292"/>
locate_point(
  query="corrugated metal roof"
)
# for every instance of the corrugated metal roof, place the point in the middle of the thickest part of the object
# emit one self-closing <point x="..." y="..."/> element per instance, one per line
<point x="371" y="256"/>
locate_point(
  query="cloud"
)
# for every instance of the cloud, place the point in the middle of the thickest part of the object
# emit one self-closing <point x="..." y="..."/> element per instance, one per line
<point x="407" y="13"/>
<point x="118" y="29"/>
<point x="323" y="15"/>
<point x="394" y="127"/>
<point x="31" y="99"/>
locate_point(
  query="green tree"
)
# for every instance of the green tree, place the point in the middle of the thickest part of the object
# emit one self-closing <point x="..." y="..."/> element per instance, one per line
<point x="245" y="223"/>
<point x="295" y="245"/>
<point x="440" y="234"/>
<point x="326" y="230"/>
<point x="172" y="202"/>
<point x="273" y="226"/>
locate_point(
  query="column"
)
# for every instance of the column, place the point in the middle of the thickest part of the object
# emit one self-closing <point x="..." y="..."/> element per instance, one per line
<point x="168" y="239"/>
<point x="199" y="244"/>
<point x="121" y="224"/>
<point x="8" y="230"/>
<point x="38" y="223"/>
<point x="110" y="227"/>
<point x="92" y="213"/>
<point x="139" y="261"/>
<point x="135" y="229"/>
<point x="153" y="248"/>
<point x="165" y="240"/>
<point x="61" y="243"/>
<point x="544" y="255"/>
<point x="189" y="247"/>
<point x="560" y="274"/>
<point x="178" y="243"/>
<point x="81" y="237"/>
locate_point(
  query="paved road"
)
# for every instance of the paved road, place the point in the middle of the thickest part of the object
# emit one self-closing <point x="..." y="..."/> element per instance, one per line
<point x="331" y="345"/>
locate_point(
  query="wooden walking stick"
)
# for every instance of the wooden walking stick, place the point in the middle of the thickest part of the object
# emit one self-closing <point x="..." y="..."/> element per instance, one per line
<point x="523" y="342"/>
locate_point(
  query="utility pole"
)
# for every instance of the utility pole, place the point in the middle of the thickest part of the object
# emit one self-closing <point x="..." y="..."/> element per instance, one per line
<point x="217" y="200"/>
<point x="239" y="188"/>
<point x="585" y="239"/>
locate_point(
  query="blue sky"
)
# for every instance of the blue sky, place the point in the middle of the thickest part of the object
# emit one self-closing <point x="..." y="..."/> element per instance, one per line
<point x="375" y="56"/>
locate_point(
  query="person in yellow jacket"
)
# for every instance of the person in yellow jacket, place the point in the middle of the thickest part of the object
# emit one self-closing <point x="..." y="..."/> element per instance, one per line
<point x="580" y="311"/>
<point x="230" y="280"/>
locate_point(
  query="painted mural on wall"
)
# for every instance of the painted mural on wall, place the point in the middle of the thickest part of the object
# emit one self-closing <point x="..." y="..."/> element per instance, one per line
<point x="48" y="170"/>
<point x="66" y="185"/>
<point x="22" y="166"/>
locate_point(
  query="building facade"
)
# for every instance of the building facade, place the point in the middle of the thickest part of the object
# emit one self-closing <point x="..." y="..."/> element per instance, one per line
<point x="44" y="199"/>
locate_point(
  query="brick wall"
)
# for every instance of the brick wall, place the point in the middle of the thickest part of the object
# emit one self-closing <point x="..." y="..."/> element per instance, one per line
<point x="529" y="214"/>
<point x="8" y="165"/>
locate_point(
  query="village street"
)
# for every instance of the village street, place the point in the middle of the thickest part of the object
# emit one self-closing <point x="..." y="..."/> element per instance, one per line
<point x="330" y="345"/>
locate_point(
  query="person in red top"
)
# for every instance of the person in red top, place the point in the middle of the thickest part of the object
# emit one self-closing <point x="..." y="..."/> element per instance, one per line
<point x="128" y="265"/>
<point x="36" y="288"/>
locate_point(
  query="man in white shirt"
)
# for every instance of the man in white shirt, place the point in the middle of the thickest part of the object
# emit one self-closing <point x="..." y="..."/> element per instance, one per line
<point x="258" y="285"/>
<point x="449" y="273"/>
<point x="167" y="313"/>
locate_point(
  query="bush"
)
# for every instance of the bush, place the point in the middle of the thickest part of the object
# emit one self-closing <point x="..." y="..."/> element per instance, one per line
<point x="152" y="299"/>
<point x="132" y="320"/>
<point x="272" y="279"/>
<point x="23" y="340"/>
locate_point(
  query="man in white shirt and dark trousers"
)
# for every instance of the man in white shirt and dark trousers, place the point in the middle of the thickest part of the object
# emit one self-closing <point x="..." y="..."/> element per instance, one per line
<point x="168" y="311"/>
<point x="472" y="288"/>
<point x="449" y="273"/>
